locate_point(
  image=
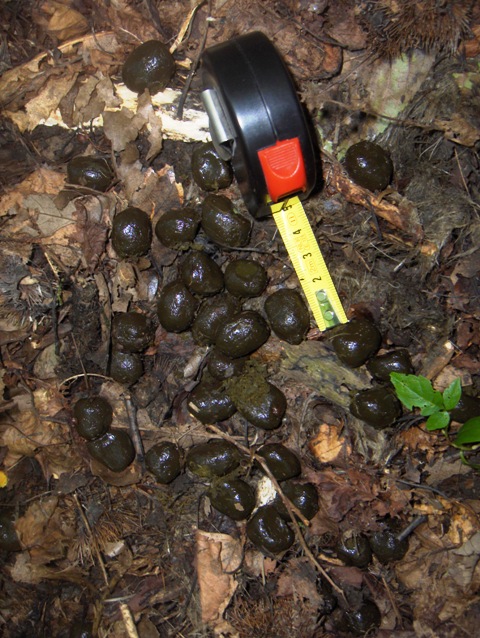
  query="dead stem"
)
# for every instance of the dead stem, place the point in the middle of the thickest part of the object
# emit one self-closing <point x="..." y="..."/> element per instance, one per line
<point x="92" y="539"/>
<point x="134" y="431"/>
<point x="196" y="62"/>
<point x="79" y="376"/>
<point x="128" y="620"/>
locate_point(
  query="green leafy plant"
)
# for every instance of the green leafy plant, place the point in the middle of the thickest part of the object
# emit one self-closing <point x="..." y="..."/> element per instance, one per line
<point x="415" y="391"/>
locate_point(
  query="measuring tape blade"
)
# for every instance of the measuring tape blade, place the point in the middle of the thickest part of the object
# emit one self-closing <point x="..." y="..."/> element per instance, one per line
<point x="309" y="263"/>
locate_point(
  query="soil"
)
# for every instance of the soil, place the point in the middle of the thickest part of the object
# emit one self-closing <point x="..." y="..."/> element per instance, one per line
<point x="118" y="554"/>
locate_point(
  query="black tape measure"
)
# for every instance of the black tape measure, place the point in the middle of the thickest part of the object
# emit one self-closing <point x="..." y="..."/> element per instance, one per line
<point x="257" y="122"/>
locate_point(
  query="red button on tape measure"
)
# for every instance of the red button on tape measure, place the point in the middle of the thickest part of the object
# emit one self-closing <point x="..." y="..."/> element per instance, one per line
<point x="283" y="169"/>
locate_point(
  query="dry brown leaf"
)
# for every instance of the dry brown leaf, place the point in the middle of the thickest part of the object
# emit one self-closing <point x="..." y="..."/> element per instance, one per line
<point x="458" y="130"/>
<point x="12" y="81"/>
<point x="41" y="181"/>
<point x="463" y="521"/>
<point x="347" y="576"/>
<point x="60" y="20"/>
<point x="443" y="586"/>
<point x="402" y="214"/>
<point x="216" y="554"/>
<point x="94" y="94"/>
<point x="47" y="528"/>
<point x="20" y="436"/>
<point x="332" y="61"/>
<point x="299" y="581"/>
<point x="344" y="27"/>
<point x="130" y="476"/>
<point x="91" y="229"/>
<point x="417" y="439"/>
<point x="258" y="565"/>
<point x="130" y="171"/>
<point x="328" y="445"/>
<point x="122" y="127"/>
<point x="340" y="493"/>
<point x="160" y="191"/>
<point x="46" y="216"/>
<point x="46" y="102"/>
<point x="32" y="433"/>
<point x="23" y="571"/>
<point x="155" y="138"/>
<point x="448" y="375"/>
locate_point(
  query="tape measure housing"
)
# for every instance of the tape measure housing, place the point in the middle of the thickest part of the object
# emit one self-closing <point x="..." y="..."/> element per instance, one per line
<point x="257" y="121"/>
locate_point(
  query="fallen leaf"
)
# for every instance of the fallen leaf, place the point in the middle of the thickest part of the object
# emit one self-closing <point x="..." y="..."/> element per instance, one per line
<point x="154" y="125"/>
<point x="401" y="213"/>
<point x="130" y="476"/>
<point x="217" y="557"/>
<point x="41" y="181"/>
<point x="340" y="493"/>
<point x="92" y="231"/>
<point x="328" y="445"/>
<point x="258" y="565"/>
<point x="46" y="216"/>
<point x="299" y="581"/>
<point x="458" y="130"/>
<point x="122" y="127"/>
<point x="47" y="528"/>
<point x="46" y="101"/>
<point x="88" y="104"/>
<point x="60" y="20"/>
<point x="23" y="571"/>
<point x="33" y="433"/>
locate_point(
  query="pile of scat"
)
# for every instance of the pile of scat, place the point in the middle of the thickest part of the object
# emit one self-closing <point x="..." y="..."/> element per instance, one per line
<point x="210" y="302"/>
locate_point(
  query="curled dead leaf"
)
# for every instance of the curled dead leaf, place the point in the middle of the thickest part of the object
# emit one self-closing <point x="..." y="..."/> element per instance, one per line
<point x="217" y="557"/>
<point x="458" y="130"/>
<point x="60" y="20"/>
<point x="401" y="213"/>
<point x="328" y="445"/>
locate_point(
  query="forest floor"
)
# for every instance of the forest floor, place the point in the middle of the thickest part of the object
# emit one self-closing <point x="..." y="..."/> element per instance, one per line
<point x="118" y="554"/>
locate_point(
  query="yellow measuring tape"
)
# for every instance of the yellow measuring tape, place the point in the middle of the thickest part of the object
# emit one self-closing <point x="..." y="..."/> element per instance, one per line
<point x="309" y="263"/>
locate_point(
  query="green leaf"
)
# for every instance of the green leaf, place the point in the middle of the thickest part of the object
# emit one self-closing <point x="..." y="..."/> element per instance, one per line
<point x="469" y="432"/>
<point x="452" y="394"/>
<point x="417" y="392"/>
<point x="438" y="421"/>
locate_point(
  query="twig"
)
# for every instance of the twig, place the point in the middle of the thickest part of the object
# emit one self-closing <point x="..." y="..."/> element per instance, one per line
<point x="413" y="525"/>
<point x="134" y="431"/>
<point x="87" y="383"/>
<point x="396" y="611"/>
<point x="196" y="62"/>
<point x="128" y="621"/>
<point x="157" y="23"/>
<point x="186" y="26"/>
<point x="292" y="510"/>
<point x="79" y="376"/>
<point x="93" y="540"/>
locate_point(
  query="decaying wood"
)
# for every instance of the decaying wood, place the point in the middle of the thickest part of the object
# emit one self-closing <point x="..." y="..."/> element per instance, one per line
<point x="315" y="365"/>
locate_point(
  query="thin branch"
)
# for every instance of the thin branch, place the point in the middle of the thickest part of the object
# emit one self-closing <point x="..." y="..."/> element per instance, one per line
<point x="292" y="510"/>
<point x="195" y="64"/>
<point x="134" y="432"/>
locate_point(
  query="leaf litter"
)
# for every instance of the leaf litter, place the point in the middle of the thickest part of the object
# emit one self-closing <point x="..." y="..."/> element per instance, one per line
<point x="132" y="552"/>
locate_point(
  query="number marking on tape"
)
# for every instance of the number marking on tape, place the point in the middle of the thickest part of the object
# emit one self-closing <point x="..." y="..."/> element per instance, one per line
<point x="309" y="263"/>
